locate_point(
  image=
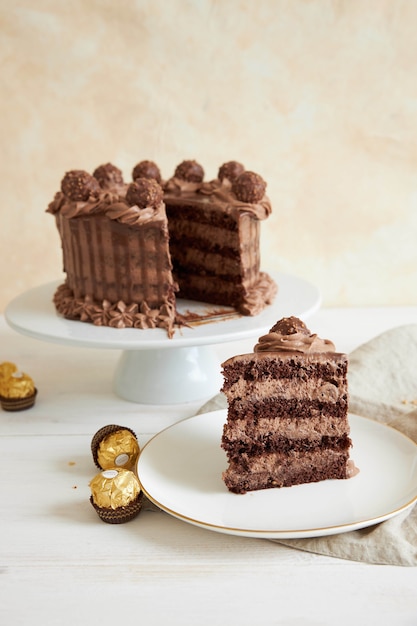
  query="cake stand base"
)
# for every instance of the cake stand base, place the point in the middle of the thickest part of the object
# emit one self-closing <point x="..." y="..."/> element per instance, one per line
<point x="167" y="376"/>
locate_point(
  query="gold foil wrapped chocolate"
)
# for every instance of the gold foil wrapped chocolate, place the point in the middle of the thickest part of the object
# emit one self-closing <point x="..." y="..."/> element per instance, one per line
<point x="116" y="495"/>
<point x="6" y="370"/>
<point x="115" y="446"/>
<point x="17" y="389"/>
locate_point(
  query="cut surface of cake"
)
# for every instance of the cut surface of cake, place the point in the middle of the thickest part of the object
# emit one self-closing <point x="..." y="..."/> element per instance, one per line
<point x="129" y="250"/>
<point x="287" y="416"/>
<point x="215" y="234"/>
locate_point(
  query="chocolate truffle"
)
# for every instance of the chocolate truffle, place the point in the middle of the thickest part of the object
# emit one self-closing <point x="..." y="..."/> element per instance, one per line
<point x="147" y="169"/>
<point x="230" y="170"/>
<point x="191" y="171"/>
<point x="290" y="326"/>
<point x="249" y="187"/>
<point x="144" y="192"/>
<point x="108" y="175"/>
<point x="77" y="185"/>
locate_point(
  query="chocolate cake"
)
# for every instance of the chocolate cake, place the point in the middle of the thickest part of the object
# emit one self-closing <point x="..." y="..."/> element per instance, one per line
<point x="287" y="417"/>
<point x="130" y="249"/>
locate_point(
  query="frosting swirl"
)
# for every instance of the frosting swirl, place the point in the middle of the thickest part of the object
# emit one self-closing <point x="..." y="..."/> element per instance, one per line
<point x="291" y="335"/>
<point x="108" y="203"/>
<point x="219" y="191"/>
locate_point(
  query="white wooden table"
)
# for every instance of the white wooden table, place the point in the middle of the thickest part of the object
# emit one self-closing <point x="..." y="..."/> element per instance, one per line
<point x="61" y="565"/>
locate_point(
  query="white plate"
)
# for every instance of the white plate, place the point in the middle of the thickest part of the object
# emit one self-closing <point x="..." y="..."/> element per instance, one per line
<point x="33" y="313"/>
<point x="180" y="471"/>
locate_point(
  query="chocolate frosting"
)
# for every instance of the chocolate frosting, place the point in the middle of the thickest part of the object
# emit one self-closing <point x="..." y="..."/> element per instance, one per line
<point x="292" y="335"/>
<point x="218" y="191"/>
<point x="108" y="203"/>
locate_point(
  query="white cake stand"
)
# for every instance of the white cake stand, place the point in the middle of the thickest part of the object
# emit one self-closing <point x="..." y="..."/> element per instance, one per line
<point x="152" y="368"/>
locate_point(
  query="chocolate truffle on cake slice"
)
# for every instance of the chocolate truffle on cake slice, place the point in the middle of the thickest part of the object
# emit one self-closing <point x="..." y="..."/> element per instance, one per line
<point x="287" y="417"/>
<point x="214" y="236"/>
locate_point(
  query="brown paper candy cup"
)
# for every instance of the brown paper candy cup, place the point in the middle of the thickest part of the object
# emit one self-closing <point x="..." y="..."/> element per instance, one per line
<point x="120" y="515"/>
<point x="102" y="434"/>
<point x="18" y="404"/>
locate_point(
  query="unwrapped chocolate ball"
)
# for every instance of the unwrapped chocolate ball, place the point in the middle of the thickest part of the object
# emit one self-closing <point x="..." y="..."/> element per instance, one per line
<point x="147" y="169"/>
<point x="115" y="446"/>
<point x="116" y="495"/>
<point x="144" y="192"/>
<point x="290" y="326"/>
<point x="249" y="187"/>
<point x="77" y="185"/>
<point x="230" y="171"/>
<point x="108" y="175"/>
<point x="190" y="170"/>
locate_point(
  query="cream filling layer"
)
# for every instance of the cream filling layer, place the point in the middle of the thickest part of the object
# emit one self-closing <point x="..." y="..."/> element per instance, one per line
<point x="312" y="428"/>
<point x="274" y="462"/>
<point x="287" y="389"/>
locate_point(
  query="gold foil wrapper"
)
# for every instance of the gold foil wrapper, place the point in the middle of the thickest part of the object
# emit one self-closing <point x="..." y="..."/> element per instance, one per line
<point x="6" y="370"/>
<point x="114" y="488"/>
<point x="16" y="384"/>
<point x="119" y="449"/>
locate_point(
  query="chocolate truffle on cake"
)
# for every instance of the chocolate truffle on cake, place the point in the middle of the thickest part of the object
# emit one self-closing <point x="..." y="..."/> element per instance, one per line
<point x="147" y="169"/>
<point x="108" y="176"/>
<point x="249" y="187"/>
<point x="116" y="495"/>
<point x="287" y="416"/>
<point x="144" y="192"/>
<point x="78" y="185"/>
<point x="189" y="170"/>
<point x="115" y="446"/>
<point x="230" y="171"/>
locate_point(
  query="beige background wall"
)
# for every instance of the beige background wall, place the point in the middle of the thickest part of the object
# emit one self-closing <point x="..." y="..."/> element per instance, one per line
<point x="318" y="96"/>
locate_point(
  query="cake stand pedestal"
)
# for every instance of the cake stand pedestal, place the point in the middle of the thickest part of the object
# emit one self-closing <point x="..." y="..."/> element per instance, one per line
<point x="153" y="369"/>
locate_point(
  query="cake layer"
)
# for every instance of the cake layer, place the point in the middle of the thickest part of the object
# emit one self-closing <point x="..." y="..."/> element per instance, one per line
<point x="280" y="407"/>
<point x="314" y="388"/>
<point x="278" y="469"/>
<point x="267" y="366"/>
<point x="245" y="431"/>
<point x="277" y="443"/>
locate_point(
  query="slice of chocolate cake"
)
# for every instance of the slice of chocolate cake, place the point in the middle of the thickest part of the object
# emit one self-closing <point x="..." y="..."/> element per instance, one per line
<point x="287" y="418"/>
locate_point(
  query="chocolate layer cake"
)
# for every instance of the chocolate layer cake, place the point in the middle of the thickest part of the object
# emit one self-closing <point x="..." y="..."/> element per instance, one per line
<point x="287" y="418"/>
<point x="124" y="261"/>
<point x="214" y="236"/>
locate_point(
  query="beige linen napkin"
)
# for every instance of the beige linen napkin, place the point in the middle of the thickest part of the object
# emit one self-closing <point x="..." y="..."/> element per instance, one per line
<point x="382" y="386"/>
